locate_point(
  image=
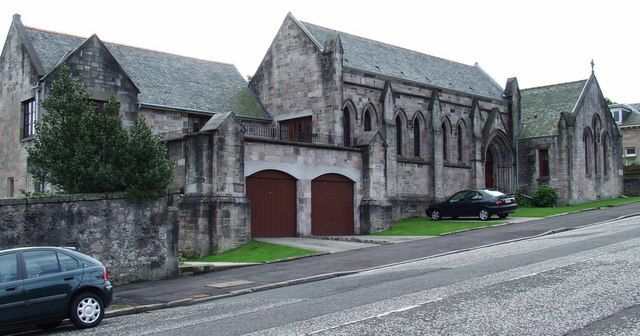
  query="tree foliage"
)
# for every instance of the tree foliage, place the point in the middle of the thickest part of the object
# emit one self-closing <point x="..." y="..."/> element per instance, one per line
<point x="79" y="150"/>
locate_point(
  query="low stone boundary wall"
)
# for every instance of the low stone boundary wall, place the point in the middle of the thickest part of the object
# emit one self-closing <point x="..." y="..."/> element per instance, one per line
<point x="136" y="242"/>
<point x="632" y="181"/>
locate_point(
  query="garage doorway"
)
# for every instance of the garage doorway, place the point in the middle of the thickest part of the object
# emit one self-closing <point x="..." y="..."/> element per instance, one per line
<point x="273" y="204"/>
<point x="332" y="205"/>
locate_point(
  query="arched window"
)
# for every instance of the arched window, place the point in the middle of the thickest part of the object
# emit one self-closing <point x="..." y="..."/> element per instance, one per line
<point x="346" y="126"/>
<point x="416" y="137"/>
<point x="605" y="154"/>
<point x="367" y="120"/>
<point x="587" y="142"/>
<point x="460" y="142"/>
<point x="445" y="142"/>
<point x="597" y="124"/>
<point x="398" y="135"/>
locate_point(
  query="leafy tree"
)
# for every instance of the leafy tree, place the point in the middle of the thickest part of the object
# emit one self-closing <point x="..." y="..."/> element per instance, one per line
<point x="609" y="101"/>
<point x="79" y="150"/>
<point x="148" y="170"/>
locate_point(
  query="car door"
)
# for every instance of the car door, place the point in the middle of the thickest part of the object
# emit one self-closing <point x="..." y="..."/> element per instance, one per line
<point x="12" y="301"/>
<point x="475" y="202"/>
<point x="47" y="285"/>
<point x="454" y="206"/>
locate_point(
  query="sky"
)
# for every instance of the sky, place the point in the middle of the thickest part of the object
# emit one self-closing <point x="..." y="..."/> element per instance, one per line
<point x="540" y="42"/>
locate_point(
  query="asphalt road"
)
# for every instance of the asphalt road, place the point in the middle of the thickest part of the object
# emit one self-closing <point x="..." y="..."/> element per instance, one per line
<point x="355" y="260"/>
<point x="579" y="282"/>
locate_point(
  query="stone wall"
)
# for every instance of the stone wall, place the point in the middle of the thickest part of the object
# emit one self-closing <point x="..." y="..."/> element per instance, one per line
<point x="596" y="184"/>
<point x="632" y="180"/>
<point x="17" y="78"/>
<point x="135" y="242"/>
<point x="631" y="139"/>
<point x="530" y="178"/>
<point x="214" y="211"/>
<point x="103" y="77"/>
<point x="175" y="153"/>
<point x="291" y="66"/>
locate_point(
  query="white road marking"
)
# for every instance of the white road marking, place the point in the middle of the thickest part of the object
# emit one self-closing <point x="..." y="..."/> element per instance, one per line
<point x="399" y="310"/>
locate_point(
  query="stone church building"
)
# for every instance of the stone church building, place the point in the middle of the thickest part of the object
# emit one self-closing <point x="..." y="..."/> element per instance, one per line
<point x="334" y="134"/>
<point x="570" y="141"/>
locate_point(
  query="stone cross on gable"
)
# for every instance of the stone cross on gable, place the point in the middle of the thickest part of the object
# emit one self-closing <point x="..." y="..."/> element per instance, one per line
<point x="592" y="65"/>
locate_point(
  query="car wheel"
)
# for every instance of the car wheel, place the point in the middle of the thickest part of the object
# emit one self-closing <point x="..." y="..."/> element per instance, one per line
<point x="503" y="215"/>
<point x="484" y="214"/>
<point x="435" y="214"/>
<point x="49" y="326"/>
<point x="86" y="310"/>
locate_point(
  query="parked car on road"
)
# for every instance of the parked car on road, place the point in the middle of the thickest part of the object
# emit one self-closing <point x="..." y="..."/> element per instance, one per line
<point x="481" y="203"/>
<point x="42" y="286"/>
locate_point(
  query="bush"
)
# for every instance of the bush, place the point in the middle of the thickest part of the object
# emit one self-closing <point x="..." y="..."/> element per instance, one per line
<point x="545" y="197"/>
<point x="523" y="200"/>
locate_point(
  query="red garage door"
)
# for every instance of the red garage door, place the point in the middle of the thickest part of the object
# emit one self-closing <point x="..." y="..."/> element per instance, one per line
<point x="331" y="205"/>
<point x="273" y="204"/>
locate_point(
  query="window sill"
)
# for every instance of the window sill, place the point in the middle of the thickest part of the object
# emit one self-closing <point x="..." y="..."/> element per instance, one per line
<point x="457" y="164"/>
<point x="28" y="139"/>
<point x="416" y="160"/>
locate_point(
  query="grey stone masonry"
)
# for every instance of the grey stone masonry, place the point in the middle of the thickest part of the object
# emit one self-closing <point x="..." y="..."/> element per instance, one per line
<point x="214" y="212"/>
<point x="136" y="242"/>
<point x="375" y="210"/>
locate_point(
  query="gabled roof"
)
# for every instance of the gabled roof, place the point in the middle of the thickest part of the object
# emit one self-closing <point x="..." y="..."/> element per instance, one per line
<point x="164" y="80"/>
<point x="631" y="113"/>
<point x="542" y="106"/>
<point x="634" y="117"/>
<point x="388" y="60"/>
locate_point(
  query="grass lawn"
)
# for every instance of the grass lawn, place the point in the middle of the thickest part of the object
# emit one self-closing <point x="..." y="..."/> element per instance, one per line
<point x="543" y="212"/>
<point x="427" y="227"/>
<point x="257" y="252"/>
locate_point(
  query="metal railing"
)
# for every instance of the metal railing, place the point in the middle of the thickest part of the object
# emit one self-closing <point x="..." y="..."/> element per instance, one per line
<point x="300" y="135"/>
<point x="276" y="133"/>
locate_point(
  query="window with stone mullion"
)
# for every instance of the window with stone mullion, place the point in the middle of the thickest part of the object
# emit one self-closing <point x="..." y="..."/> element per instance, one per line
<point x="30" y="117"/>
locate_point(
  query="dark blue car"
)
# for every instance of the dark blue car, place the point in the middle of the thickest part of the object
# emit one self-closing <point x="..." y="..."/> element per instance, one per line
<point x="481" y="203"/>
<point x="44" y="285"/>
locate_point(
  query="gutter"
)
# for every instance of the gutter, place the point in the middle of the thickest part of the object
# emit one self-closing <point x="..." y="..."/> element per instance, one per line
<point x="195" y="111"/>
<point x="427" y="86"/>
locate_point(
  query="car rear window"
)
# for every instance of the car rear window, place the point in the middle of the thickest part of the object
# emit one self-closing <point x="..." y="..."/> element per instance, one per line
<point x="67" y="263"/>
<point x="8" y="268"/>
<point x="494" y="193"/>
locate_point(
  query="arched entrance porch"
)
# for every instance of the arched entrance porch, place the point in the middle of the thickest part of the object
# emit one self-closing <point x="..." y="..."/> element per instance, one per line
<point x="498" y="163"/>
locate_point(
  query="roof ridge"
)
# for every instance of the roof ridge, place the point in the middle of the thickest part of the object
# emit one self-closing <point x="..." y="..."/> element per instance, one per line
<point x="557" y="84"/>
<point x="388" y="44"/>
<point x="128" y="46"/>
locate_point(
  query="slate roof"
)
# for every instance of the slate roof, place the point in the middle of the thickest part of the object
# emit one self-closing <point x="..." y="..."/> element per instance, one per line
<point x="631" y="113"/>
<point x="164" y="79"/>
<point x="541" y="107"/>
<point x="385" y="59"/>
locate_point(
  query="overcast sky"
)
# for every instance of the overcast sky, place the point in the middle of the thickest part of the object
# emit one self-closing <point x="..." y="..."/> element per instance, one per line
<point x="540" y="42"/>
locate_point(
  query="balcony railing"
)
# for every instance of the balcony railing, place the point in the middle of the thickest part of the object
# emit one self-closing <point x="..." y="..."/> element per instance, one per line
<point x="276" y="133"/>
<point x="304" y="135"/>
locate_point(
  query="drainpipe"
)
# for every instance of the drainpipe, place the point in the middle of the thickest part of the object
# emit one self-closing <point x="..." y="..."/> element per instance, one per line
<point x="520" y="129"/>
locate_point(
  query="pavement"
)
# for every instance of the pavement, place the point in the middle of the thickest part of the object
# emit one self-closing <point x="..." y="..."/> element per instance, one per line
<point x="343" y="258"/>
